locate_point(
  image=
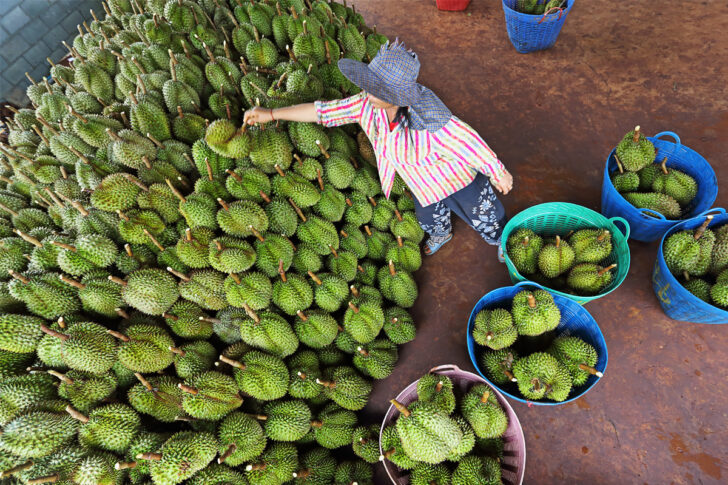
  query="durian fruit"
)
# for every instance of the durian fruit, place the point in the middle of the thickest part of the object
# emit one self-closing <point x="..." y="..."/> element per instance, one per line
<point x="345" y="387"/>
<point x="181" y="456"/>
<point x="626" y="181"/>
<point x="377" y="358"/>
<point x="635" y="151"/>
<point x="261" y="375"/>
<point x="556" y="258"/>
<point x="682" y="250"/>
<point x="477" y="470"/>
<point x="193" y="357"/>
<point x="591" y="245"/>
<point x="241" y="438"/>
<point x="83" y="389"/>
<point x="438" y="390"/>
<point x="426" y="474"/>
<point x="144" y="348"/>
<point x="38" y="433"/>
<point x="678" y="185"/>
<point x="426" y="432"/>
<point x="494" y="328"/>
<point x="365" y="442"/>
<point x="481" y="409"/>
<point x="268" y="331"/>
<point x="466" y="444"/>
<point x="589" y="278"/>
<point x="365" y="321"/>
<point x="277" y="464"/>
<point x="719" y="256"/>
<point x="577" y="356"/>
<point x="523" y="247"/>
<point x="535" y="312"/>
<point x="719" y="291"/>
<point x="392" y="449"/>
<point x="334" y="426"/>
<point x="85" y="346"/>
<point x="111" y="427"/>
<point x="356" y="471"/>
<point x="399" y="325"/>
<point x="286" y="420"/>
<point x="698" y="287"/>
<point x="210" y="395"/>
<point x="398" y="286"/>
<point x="157" y="396"/>
<point x="540" y="376"/>
<point x="661" y="203"/>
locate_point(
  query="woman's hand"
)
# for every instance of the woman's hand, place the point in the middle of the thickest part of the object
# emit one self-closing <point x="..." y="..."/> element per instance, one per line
<point x="258" y="115"/>
<point x="506" y="183"/>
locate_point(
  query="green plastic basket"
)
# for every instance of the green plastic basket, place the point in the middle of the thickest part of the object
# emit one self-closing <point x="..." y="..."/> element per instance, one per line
<point x="558" y="218"/>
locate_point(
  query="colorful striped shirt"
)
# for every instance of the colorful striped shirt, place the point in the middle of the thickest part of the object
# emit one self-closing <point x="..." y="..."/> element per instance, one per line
<point x="434" y="165"/>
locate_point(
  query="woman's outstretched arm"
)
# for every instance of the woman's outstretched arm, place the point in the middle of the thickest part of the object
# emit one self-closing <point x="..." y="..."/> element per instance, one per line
<point x="305" y="112"/>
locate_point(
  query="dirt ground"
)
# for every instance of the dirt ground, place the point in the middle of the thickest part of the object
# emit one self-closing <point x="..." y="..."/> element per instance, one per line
<point x="659" y="415"/>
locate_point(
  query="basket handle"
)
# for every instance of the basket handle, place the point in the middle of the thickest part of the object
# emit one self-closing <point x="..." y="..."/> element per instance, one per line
<point x="528" y="283"/>
<point x="551" y="10"/>
<point x="650" y="211"/>
<point x="716" y="210"/>
<point x="669" y="133"/>
<point x="627" y="229"/>
<point x="445" y="367"/>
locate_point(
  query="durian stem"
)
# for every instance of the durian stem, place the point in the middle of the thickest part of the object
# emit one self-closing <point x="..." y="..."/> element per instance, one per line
<point x="484" y="397"/>
<point x="354" y="291"/>
<point x="558" y="241"/>
<point x="8" y="210"/>
<point x="209" y="320"/>
<point x="362" y="351"/>
<point x="144" y="381"/>
<point x="209" y="169"/>
<point x="75" y="414"/>
<point x="28" y="238"/>
<point x="301" y="315"/>
<point x="608" y="268"/>
<point x="343" y="233"/>
<point x="279" y="170"/>
<point x="314" y="277"/>
<point x="590" y="370"/>
<point x="333" y="251"/>
<point x="400" y="407"/>
<point x="174" y="190"/>
<point x="153" y="239"/>
<point x="392" y="271"/>
<point x="256" y="233"/>
<point x="510" y="375"/>
<point x="260" y="417"/>
<point x="525" y="241"/>
<point x="320" y="179"/>
<point x="328" y="51"/>
<point x="62" y="377"/>
<point x="177" y="350"/>
<point x="72" y="282"/>
<point x="663" y="166"/>
<point x="399" y="241"/>
<point x="75" y="114"/>
<point x="121" y="313"/>
<point x="136" y="182"/>
<point x="531" y="300"/>
<point x="636" y="136"/>
<point x="360" y="268"/>
<point x="536" y="384"/>
<point x="372" y="201"/>
<point x="150" y="456"/>
<point x="297" y="209"/>
<point x="701" y="230"/>
<point x="686" y="275"/>
<point x="603" y="235"/>
<point x="255" y="467"/>
<point x="323" y="150"/>
<point x="235" y="278"/>
<point x="489" y="336"/>
<point x="120" y="465"/>
<point x="306" y="471"/>
<point x="439" y="385"/>
<point x="117" y="280"/>
<point x="155" y="141"/>
<point x="230" y="450"/>
<point x="53" y="333"/>
<point x="387" y="454"/>
<point x="398" y="215"/>
<point x="328" y="384"/>
<point x="302" y="375"/>
<point x="179" y="275"/>
<point x="146" y="162"/>
<point x="249" y="311"/>
<point x="16" y="469"/>
<point x="188" y="389"/>
<point x="348" y="202"/>
<point x="118" y="335"/>
<point x="232" y="362"/>
<point x="368" y="231"/>
<point x="47" y="479"/>
<point x="234" y="175"/>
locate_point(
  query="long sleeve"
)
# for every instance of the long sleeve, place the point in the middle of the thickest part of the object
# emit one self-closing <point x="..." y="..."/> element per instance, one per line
<point x="459" y="140"/>
<point x="341" y="111"/>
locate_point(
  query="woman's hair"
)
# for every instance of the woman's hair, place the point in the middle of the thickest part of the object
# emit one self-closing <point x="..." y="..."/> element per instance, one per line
<point x="402" y="116"/>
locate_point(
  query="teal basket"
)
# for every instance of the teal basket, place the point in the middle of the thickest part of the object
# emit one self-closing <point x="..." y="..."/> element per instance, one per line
<point x="558" y="218"/>
<point x="677" y="302"/>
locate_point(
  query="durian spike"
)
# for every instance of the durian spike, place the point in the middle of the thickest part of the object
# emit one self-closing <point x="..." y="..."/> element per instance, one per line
<point x="120" y="465"/>
<point x="256" y="233"/>
<point x="391" y="268"/>
<point x="301" y="315"/>
<point x="150" y="456"/>
<point x="590" y="370"/>
<point x="315" y="278"/>
<point x="230" y="450"/>
<point x="701" y="230"/>
<point x="353" y="307"/>
<point x="484" y="397"/>
<point x="400" y="407"/>
<point x="178" y="274"/>
<point x="608" y="268"/>
<point x="16" y="469"/>
<point x="118" y="335"/>
<point x="354" y="290"/>
<point x="297" y="209"/>
<point x="177" y="350"/>
<point x="636" y="136"/>
<point x="75" y="414"/>
<point x="531" y="300"/>
<point x="117" y="280"/>
<point x="234" y="363"/>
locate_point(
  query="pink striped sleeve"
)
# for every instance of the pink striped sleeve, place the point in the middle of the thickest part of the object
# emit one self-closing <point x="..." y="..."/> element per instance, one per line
<point x="461" y="141"/>
<point x="341" y="111"/>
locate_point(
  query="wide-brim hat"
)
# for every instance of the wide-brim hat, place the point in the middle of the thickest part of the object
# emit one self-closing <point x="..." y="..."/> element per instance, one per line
<point x="392" y="76"/>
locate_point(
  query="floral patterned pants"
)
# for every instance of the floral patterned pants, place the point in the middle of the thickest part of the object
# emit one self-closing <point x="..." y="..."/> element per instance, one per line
<point x="476" y="204"/>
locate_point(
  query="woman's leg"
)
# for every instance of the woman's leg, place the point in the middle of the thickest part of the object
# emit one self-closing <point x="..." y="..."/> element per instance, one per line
<point x="435" y="221"/>
<point x="478" y="205"/>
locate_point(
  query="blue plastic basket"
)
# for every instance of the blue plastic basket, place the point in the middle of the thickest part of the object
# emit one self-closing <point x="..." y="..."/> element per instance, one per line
<point x="529" y="33"/>
<point x="648" y="228"/>
<point x="677" y="302"/>
<point x="575" y="320"/>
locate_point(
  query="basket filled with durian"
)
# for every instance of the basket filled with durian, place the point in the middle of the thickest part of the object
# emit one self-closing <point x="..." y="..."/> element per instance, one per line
<point x="534" y="346"/>
<point x="450" y="426"/>
<point x="569" y="249"/>
<point x="690" y="277"/>
<point x="655" y="183"/>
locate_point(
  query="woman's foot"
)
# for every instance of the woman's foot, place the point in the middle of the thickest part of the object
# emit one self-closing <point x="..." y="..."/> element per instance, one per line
<point x="434" y="243"/>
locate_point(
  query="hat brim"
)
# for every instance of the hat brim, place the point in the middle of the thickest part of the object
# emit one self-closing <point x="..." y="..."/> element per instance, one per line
<point x="359" y="73"/>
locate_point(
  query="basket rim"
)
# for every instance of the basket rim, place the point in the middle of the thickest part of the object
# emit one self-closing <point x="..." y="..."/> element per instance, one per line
<point x="515" y="12"/>
<point x="660" y="261"/>
<point x="635" y="211"/>
<point x="448" y="369"/>
<point x="622" y="237"/>
<point x="474" y="359"/>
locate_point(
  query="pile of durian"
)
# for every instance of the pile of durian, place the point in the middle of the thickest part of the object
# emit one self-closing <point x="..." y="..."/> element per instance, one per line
<point x="176" y="309"/>
<point x="576" y="264"/>
<point x="519" y="345"/>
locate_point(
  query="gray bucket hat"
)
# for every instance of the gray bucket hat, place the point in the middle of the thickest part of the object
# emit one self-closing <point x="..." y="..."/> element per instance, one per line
<point x="392" y="77"/>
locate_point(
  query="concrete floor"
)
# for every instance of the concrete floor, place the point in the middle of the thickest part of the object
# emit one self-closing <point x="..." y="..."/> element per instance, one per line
<point x="659" y="415"/>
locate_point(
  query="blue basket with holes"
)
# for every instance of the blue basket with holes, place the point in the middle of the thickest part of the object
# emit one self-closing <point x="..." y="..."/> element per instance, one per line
<point x="575" y="321"/>
<point x="677" y="302"/>
<point x="528" y="32"/>
<point x="648" y="225"/>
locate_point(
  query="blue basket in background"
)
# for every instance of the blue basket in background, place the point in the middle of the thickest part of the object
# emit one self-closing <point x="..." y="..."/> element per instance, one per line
<point x="647" y="225"/>
<point x="575" y="321"/>
<point x="529" y="33"/>
<point x="677" y="302"/>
